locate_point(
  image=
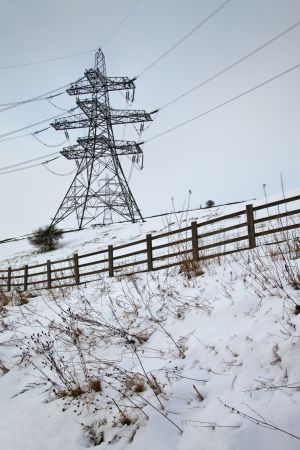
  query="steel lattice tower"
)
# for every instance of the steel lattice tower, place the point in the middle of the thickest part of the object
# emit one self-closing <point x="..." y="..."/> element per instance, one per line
<point x="99" y="188"/>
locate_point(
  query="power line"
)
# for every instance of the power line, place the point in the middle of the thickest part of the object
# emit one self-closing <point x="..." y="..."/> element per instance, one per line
<point x="18" y="137"/>
<point x="7" y="106"/>
<point x="231" y="66"/>
<point x="34" y="124"/>
<point x="220" y="105"/>
<point x="29" y="126"/>
<point x="25" y="135"/>
<point x="167" y="104"/>
<point x="46" y="96"/>
<point x="171" y="102"/>
<point x="41" y="61"/>
<point x="89" y="51"/>
<point x="57" y="173"/>
<point x="55" y="106"/>
<point x="28" y="161"/>
<point x="48" y="145"/>
<point x="28" y="167"/>
<point x="121" y="23"/>
<point x="180" y="41"/>
<point x="43" y="96"/>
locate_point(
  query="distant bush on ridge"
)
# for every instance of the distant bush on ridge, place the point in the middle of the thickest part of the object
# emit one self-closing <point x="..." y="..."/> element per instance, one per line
<point x="210" y="203"/>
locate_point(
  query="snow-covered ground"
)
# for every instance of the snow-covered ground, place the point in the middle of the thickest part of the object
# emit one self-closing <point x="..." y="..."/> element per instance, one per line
<point x="85" y="241"/>
<point x="20" y="252"/>
<point x="206" y="359"/>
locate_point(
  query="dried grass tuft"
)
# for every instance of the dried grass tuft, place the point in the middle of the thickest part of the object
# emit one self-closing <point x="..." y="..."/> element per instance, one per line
<point x="191" y="269"/>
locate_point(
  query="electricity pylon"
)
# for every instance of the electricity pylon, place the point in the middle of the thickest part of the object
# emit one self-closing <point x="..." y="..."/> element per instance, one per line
<point x="99" y="189"/>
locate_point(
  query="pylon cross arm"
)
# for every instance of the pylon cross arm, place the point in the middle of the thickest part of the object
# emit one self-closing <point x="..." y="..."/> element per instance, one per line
<point x="95" y="81"/>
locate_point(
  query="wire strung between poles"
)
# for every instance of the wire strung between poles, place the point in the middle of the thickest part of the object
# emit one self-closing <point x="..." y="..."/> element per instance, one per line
<point x="41" y="61"/>
<point x="48" y="145"/>
<point x="55" y="106"/>
<point x="36" y="123"/>
<point x="28" y="161"/>
<point x="120" y="23"/>
<point x="7" y="106"/>
<point x="186" y="36"/>
<point x="213" y="77"/>
<point x="56" y="173"/>
<point x="27" y="167"/>
<point x="193" y="89"/>
<point x="220" y="105"/>
<point x="231" y="66"/>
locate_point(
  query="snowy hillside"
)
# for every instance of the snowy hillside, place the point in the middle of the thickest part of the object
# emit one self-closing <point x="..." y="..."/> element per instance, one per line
<point x="20" y="252"/>
<point x="190" y="358"/>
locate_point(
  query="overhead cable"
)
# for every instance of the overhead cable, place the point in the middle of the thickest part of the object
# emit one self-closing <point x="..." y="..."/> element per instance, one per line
<point x="211" y="78"/>
<point x="220" y="105"/>
<point x="226" y="102"/>
<point x="28" y="167"/>
<point x="35" y="124"/>
<point x="7" y="106"/>
<point x="44" y="96"/>
<point x="231" y="66"/>
<point x="12" y="138"/>
<point x="186" y="36"/>
<point x="28" y="161"/>
<point x="55" y="106"/>
<point x="48" y="145"/>
<point x="57" y="173"/>
<point x="120" y="23"/>
<point x="41" y="61"/>
<point x="146" y="69"/>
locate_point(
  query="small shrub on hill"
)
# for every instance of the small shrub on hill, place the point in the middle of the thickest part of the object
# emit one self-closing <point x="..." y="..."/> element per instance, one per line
<point x="46" y="238"/>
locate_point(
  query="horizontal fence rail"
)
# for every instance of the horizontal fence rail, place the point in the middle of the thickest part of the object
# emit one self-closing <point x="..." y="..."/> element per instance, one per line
<point x="216" y="237"/>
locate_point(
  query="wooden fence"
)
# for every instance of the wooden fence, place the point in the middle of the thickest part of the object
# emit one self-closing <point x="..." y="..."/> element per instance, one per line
<point x="218" y="236"/>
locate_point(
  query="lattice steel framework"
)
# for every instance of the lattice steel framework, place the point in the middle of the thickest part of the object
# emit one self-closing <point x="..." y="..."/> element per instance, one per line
<point x="99" y="188"/>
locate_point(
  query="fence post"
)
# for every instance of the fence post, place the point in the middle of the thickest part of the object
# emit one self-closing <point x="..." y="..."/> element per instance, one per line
<point x="110" y="251"/>
<point x="48" y="274"/>
<point x="251" y="226"/>
<point x="76" y="269"/>
<point x="195" y="241"/>
<point x="25" y="277"/>
<point x="149" y="252"/>
<point x="9" y="279"/>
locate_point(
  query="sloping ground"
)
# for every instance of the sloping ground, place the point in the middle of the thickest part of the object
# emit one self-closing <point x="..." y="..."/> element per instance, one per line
<point x="216" y="234"/>
<point x="204" y="359"/>
<point x="20" y="252"/>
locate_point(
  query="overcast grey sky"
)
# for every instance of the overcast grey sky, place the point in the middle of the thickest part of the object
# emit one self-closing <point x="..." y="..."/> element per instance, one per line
<point x="226" y="155"/>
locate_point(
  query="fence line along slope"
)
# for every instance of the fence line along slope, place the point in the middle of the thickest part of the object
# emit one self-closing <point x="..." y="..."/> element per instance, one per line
<point x="263" y="224"/>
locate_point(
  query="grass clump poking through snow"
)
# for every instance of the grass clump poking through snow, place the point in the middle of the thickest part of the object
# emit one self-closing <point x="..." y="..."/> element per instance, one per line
<point x="191" y="269"/>
<point x="134" y="384"/>
<point x="273" y="270"/>
<point x="4" y="300"/>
